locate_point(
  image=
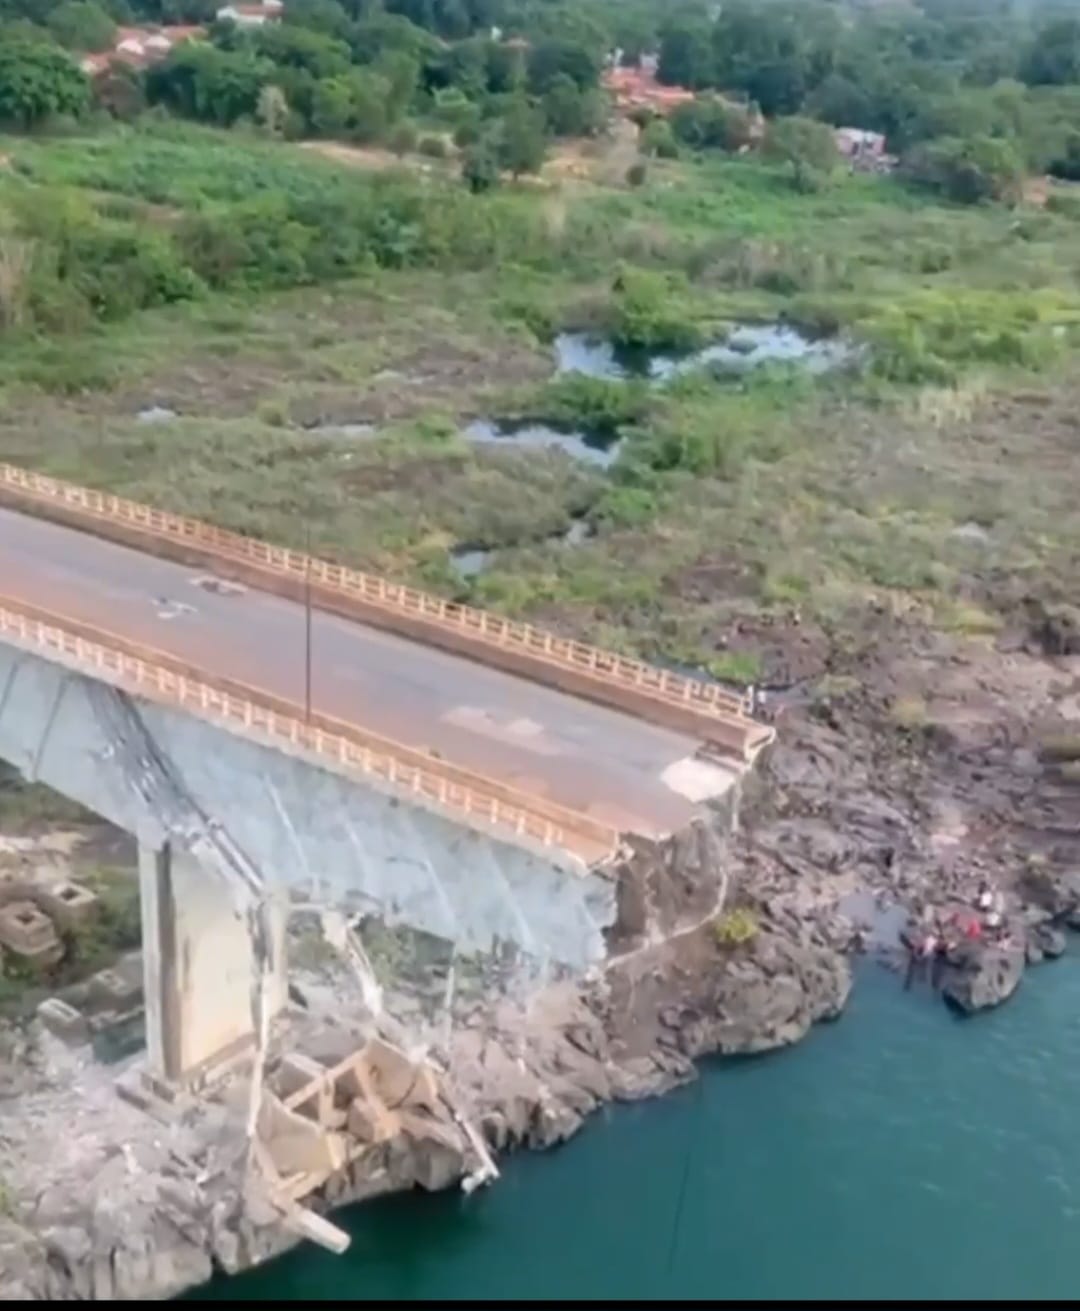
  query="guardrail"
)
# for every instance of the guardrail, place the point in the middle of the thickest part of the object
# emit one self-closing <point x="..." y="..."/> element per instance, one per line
<point x="155" y="677"/>
<point x="607" y="668"/>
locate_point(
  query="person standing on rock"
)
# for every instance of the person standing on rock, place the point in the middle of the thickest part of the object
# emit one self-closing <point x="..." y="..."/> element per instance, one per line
<point x="920" y="957"/>
<point x="941" y="959"/>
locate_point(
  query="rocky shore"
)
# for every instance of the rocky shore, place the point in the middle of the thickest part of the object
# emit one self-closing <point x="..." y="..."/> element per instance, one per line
<point x="168" y="1204"/>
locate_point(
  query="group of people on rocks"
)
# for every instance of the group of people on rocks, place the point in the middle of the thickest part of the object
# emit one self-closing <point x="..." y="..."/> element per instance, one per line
<point x="929" y="952"/>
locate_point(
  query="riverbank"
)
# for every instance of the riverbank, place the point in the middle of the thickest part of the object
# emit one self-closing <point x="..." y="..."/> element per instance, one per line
<point x="525" y="1064"/>
<point x="894" y="1132"/>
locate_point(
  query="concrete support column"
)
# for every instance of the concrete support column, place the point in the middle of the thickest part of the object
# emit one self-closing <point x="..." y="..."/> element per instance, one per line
<point x="198" y="964"/>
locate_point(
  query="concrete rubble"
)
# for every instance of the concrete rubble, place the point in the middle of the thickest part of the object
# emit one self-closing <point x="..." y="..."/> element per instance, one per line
<point x="419" y="1079"/>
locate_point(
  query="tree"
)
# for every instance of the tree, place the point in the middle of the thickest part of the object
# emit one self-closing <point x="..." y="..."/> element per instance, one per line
<point x="82" y="25"/>
<point x="296" y="47"/>
<point x="564" y="107"/>
<point x="119" y="91"/>
<point x="505" y="67"/>
<point x="557" y="57"/>
<point x="331" y="107"/>
<point x="710" y="123"/>
<point x="634" y="34"/>
<point x="658" y="140"/>
<point x="38" y="80"/>
<point x="968" y="172"/>
<point x="375" y="35"/>
<point x="325" y="16"/>
<point x="272" y="111"/>
<point x="1054" y="56"/>
<point x="843" y="102"/>
<point x="462" y="65"/>
<point x="480" y="167"/>
<point x="1067" y="164"/>
<point x="401" y="72"/>
<point x="201" y="81"/>
<point x="522" y="142"/>
<point x="778" y="87"/>
<point x="452" y="19"/>
<point x="808" y="147"/>
<point x="369" y="97"/>
<point x="685" y="56"/>
<point x="775" y="53"/>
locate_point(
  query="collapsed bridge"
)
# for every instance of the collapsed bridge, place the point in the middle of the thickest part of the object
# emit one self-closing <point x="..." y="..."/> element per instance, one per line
<point x="275" y="729"/>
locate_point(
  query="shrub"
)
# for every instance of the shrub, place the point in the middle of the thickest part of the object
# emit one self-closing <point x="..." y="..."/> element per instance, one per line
<point x="480" y="168"/>
<point x="736" y="927"/>
<point x="807" y="147"/>
<point x="38" y="81"/>
<point x="1066" y="205"/>
<point x="81" y="25"/>
<point x="658" y="140"/>
<point x="626" y="507"/>
<point x="595" y="404"/>
<point x="968" y="171"/>
<point x="467" y="133"/>
<point x="711" y="123"/>
<point x="735" y="667"/>
<point x="402" y="139"/>
<point x="652" y="312"/>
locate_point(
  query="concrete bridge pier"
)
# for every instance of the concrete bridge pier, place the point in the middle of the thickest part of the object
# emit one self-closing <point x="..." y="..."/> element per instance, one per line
<point x="199" y="964"/>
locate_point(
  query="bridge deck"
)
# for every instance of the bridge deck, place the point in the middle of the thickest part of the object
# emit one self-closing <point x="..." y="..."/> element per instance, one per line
<point x="586" y="757"/>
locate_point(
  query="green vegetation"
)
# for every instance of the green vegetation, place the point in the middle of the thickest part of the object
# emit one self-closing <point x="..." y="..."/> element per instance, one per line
<point x="807" y="148"/>
<point x="736" y="927"/>
<point x="38" y="81"/>
<point x="114" y="928"/>
<point x="81" y="25"/>
<point x="93" y="944"/>
<point x="384" y="214"/>
<point x="28" y="805"/>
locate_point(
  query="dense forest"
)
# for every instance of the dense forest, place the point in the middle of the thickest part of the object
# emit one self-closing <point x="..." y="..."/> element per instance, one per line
<point x="980" y="87"/>
<point x="973" y="96"/>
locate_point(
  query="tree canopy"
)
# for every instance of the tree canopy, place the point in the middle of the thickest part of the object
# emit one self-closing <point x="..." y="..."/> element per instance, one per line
<point x="38" y="80"/>
<point x="81" y="25"/>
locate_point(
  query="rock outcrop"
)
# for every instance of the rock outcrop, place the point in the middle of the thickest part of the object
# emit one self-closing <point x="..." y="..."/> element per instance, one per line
<point x="768" y="998"/>
<point x="1055" y="891"/>
<point x="982" y="975"/>
<point x="1045" y="941"/>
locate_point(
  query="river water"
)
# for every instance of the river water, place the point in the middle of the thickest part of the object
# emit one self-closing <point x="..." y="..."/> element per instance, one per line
<point x="900" y="1152"/>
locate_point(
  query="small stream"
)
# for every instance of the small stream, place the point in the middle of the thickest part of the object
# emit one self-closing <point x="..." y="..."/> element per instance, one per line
<point x="469" y="561"/>
<point x="748" y="346"/>
<point x="592" y="447"/>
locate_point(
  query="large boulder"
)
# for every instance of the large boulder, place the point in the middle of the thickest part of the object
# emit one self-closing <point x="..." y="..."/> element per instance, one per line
<point x="981" y="976"/>
<point x="766" y="999"/>
<point x="1055" y="891"/>
<point x="1045" y="941"/>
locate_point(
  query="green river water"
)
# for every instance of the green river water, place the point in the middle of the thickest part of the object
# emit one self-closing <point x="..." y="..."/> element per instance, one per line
<point x="900" y="1152"/>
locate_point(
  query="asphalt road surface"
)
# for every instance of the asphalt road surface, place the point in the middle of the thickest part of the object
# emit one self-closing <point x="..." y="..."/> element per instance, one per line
<point x="587" y="757"/>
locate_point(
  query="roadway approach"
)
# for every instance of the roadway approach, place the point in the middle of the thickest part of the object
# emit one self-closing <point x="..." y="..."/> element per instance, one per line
<point x="278" y="731"/>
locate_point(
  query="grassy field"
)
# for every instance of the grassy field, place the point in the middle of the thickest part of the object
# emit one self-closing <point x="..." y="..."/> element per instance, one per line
<point x="933" y="477"/>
